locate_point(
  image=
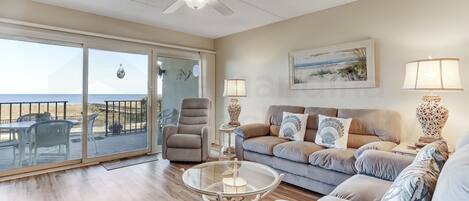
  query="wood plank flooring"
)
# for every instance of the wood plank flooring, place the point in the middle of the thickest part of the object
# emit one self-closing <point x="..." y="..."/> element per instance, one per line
<point x="154" y="181"/>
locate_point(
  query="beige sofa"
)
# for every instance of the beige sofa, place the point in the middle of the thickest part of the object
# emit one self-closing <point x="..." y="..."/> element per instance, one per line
<point x="377" y="170"/>
<point x="307" y="164"/>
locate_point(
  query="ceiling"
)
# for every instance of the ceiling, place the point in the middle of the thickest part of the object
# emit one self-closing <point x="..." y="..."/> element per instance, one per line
<point x="206" y="22"/>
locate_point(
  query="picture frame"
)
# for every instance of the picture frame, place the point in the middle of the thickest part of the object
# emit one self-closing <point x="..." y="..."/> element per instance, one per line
<point x="343" y="66"/>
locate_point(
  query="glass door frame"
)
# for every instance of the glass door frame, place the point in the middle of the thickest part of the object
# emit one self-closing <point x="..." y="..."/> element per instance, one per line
<point x="121" y="47"/>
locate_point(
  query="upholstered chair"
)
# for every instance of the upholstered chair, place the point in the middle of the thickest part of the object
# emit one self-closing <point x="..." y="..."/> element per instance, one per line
<point x="188" y="140"/>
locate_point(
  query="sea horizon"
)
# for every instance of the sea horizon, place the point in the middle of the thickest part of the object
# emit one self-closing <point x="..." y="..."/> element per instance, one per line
<point x="70" y="98"/>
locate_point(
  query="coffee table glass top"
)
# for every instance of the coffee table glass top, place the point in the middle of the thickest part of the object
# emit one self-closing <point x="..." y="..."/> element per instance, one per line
<point x="214" y="177"/>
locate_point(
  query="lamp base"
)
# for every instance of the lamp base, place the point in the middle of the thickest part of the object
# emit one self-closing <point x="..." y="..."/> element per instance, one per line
<point x="234" y="109"/>
<point x="432" y="116"/>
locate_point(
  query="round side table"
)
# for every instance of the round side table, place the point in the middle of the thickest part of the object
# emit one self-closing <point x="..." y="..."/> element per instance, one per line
<point x="225" y="129"/>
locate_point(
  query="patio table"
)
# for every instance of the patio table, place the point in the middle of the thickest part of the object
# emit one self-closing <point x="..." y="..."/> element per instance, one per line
<point x="20" y="128"/>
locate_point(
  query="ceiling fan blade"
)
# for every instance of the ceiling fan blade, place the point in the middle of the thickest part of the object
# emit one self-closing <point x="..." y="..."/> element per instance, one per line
<point x="174" y="7"/>
<point x="221" y="7"/>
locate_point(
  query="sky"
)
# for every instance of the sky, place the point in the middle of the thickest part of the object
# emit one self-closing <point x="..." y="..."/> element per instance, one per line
<point x="34" y="68"/>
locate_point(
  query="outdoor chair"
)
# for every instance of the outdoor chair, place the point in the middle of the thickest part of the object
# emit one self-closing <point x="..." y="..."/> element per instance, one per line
<point x="46" y="134"/>
<point x="91" y="120"/>
<point x="13" y="143"/>
<point x="188" y="140"/>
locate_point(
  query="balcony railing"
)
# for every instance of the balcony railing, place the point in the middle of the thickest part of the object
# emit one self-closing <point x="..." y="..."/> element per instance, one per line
<point x="125" y="116"/>
<point x="10" y="111"/>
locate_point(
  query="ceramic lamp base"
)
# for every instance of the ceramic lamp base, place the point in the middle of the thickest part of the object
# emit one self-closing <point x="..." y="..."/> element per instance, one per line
<point x="234" y="109"/>
<point x="432" y="116"/>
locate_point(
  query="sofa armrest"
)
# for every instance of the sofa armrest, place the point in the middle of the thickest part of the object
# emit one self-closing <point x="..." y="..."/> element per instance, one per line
<point x="382" y="164"/>
<point x="379" y="145"/>
<point x="252" y="130"/>
<point x="167" y="132"/>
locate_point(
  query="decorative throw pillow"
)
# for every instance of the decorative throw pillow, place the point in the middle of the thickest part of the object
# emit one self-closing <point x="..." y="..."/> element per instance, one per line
<point x="293" y="126"/>
<point x="438" y="151"/>
<point x="333" y="132"/>
<point x="415" y="183"/>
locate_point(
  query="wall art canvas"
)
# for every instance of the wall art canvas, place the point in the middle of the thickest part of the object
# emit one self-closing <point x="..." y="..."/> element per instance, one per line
<point x="350" y="65"/>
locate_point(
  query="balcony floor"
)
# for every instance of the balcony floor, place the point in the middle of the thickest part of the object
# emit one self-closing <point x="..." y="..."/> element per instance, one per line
<point x="105" y="146"/>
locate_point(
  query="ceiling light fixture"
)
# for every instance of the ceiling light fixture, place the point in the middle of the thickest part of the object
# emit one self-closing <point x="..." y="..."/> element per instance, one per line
<point x="196" y="4"/>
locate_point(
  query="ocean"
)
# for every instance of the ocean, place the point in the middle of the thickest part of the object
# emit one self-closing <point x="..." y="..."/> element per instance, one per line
<point x="71" y="98"/>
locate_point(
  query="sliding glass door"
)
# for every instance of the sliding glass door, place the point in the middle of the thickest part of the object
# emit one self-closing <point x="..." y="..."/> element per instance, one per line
<point x="117" y="102"/>
<point x="87" y="100"/>
<point x="40" y="103"/>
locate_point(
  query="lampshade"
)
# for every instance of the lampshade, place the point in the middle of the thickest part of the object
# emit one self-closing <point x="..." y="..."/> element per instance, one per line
<point x="196" y="4"/>
<point x="433" y="74"/>
<point x="235" y="88"/>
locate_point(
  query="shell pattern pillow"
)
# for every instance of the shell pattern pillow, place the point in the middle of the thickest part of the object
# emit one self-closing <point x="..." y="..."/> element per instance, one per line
<point x="293" y="126"/>
<point x="333" y="132"/>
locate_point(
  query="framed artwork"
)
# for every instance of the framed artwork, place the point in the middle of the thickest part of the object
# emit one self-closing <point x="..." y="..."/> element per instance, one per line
<point x="349" y="65"/>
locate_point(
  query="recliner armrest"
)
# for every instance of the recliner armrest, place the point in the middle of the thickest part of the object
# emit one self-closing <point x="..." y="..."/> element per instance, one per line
<point x="252" y="130"/>
<point x="379" y="145"/>
<point x="382" y="164"/>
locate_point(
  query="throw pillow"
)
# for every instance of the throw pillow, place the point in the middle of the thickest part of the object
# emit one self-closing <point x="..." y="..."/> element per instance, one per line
<point x="333" y="132"/>
<point x="438" y="151"/>
<point x="293" y="126"/>
<point x="415" y="183"/>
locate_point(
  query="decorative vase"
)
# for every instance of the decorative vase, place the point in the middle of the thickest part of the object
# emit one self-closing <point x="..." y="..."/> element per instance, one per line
<point x="234" y="109"/>
<point x="432" y="116"/>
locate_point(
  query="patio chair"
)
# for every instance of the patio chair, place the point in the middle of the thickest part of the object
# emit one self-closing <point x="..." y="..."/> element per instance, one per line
<point x="53" y="133"/>
<point x="13" y="143"/>
<point x="188" y="141"/>
<point x="35" y="117"/>
<point x="91" y="120"/>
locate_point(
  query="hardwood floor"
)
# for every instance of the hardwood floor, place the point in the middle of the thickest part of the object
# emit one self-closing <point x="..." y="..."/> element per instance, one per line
<point x="154" y="181"/>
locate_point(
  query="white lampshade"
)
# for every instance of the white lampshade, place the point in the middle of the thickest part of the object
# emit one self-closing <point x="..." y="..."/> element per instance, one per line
<point x="235" y="88"/>
<point x="196" y="4"/>
<point x="433" y="74"/>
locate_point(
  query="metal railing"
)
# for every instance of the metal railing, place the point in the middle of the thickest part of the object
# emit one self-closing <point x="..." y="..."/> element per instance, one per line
<point x="125" y="116"/>
<point x="13" y="110"/>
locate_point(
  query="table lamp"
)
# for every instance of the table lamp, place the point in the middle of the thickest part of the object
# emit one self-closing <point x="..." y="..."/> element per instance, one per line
<point x="432" y="75"/>
<point x="234" y="88"/>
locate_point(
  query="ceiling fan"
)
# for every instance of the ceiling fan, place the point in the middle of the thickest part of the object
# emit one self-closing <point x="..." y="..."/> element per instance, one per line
<point x="199" y="4"/>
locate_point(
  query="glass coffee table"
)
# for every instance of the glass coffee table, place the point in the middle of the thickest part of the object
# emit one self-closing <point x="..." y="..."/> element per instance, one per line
<point x="231" y="180"/>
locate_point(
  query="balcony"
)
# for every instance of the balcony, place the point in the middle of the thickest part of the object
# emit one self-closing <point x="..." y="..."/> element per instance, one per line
<point x="115" y="126"/>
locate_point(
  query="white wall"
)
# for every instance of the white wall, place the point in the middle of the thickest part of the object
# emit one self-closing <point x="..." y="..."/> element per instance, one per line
<point x="404" y="30"/>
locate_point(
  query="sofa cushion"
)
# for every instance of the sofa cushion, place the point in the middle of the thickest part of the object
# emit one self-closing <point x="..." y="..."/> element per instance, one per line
<point x="437" y="151"/>
<point x="371" y="125"/>
<point x="453" y="183"/>
<point x="293" y="126"/>
<point x="189" y="141"/>
<point x="296" y="151"/>
<point x="382" y="164"/>
<point x="263" y="145"/>
<point x="312" y="125"/>
<point x="416" y="182"/>
<point x="333" y="132"/>
<point x="340" y="160"/>
<point x="361" y="188"/>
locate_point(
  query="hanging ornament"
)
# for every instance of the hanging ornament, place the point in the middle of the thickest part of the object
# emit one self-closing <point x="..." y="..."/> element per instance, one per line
<point x="120" y="72"/>
<point x="196" y="70"/>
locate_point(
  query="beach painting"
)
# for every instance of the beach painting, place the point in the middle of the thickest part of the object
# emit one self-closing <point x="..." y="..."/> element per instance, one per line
<point x="349" y="65"/>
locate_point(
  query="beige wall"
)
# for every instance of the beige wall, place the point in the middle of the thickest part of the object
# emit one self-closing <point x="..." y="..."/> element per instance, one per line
<point x="29" y="11"/>
<point x="404" y="30"/>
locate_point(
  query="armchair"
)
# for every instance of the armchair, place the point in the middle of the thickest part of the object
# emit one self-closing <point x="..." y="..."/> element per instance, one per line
<point x="188" y="140"/>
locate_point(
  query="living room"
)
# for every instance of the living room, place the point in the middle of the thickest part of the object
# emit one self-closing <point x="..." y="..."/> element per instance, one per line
<point x="177" y="89"/>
